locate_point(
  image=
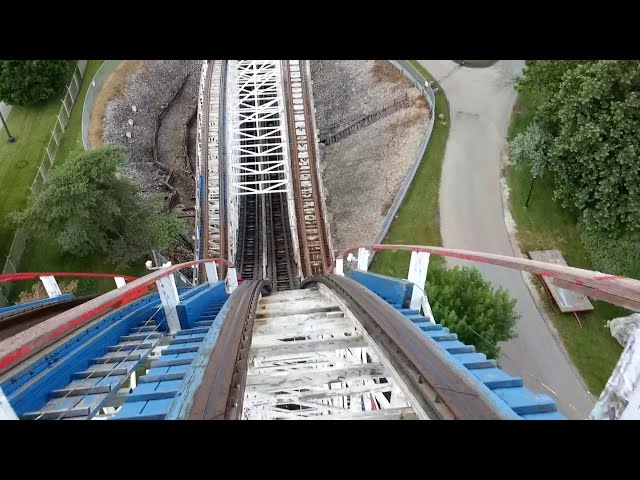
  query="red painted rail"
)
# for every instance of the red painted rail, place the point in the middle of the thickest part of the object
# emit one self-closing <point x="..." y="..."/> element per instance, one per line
<point x="13" y="277"/>
<point x="615" y="289"/>
<point x="21" y="346"/>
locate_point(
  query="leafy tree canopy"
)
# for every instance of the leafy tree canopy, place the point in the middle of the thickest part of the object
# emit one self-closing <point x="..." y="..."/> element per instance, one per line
<point x="89" y="209"/>
<point x="469" y="306"/>
<point x="587" y="128"/>
<point x="28" y="82"/>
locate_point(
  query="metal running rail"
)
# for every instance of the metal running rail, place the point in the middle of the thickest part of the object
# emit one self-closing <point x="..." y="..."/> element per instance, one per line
<point x="438" y="387"/>
<point x="614" y="289"/>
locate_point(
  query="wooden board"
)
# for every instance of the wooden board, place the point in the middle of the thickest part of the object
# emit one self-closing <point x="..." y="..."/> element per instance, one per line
<point x="567" y="300"/>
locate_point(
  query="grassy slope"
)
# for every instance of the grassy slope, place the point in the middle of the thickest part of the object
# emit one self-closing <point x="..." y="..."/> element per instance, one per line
<point x="417" y="221"/>
<point x="41" y="255"/>
<point x="19" y="161"/>
<point x="543" y="226"/>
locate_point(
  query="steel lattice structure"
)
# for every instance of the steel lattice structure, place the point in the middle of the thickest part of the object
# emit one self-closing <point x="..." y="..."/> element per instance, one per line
<point x="257" y="129"/>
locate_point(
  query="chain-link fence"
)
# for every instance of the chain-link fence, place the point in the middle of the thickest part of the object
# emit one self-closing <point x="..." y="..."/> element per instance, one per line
<point x="12" y="262"/>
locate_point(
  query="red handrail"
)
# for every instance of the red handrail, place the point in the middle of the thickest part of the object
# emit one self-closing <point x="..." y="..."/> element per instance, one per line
<point x="16" y="349"/>
<point x="12" y="277"/>
<point x="615" y="289"/>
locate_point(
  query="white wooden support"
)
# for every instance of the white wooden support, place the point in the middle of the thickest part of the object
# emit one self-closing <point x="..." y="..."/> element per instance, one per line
<point x="120" y="282"/>
<point x="620" y="399"/>
<point x="169" y="298"/>
<point x="51" y="286"/>
<point x="6" y="410"/>
<point x="132" y="380"/>
<point x="232" y="280"/>
<point x="363" y="259"/>
<point x="339" y="270"/>
<point x="212" y="272"/>
<point x="418" y="276"/>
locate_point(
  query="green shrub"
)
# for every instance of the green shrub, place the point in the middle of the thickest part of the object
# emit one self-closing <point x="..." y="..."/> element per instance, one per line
<point x="28" y="82"/>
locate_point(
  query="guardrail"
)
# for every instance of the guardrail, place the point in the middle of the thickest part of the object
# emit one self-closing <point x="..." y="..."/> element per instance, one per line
<point x="423" y="86"/>
<point x="26" y="344"/>
<point x="614" y="289"/>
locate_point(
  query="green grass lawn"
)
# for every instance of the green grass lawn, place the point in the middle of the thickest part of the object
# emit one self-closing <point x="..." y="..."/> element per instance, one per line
<point x="417" y="221"/>
<point x="19" y="161"/>
<point x="545" y="225"/>
<point x="44" y="255"/>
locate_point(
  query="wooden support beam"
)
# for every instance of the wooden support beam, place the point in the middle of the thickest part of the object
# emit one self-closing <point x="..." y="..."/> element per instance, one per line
<point x="305" y="379"/>
<point x="307" y="346"/>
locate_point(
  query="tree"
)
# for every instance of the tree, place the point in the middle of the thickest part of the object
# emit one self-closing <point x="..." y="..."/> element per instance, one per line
<point x="27" y="82"/>
<point x="469" y="306"/>
<point x="89" y="209"/>
<point x="531" y="148"/>
<point x="591" y="112"/>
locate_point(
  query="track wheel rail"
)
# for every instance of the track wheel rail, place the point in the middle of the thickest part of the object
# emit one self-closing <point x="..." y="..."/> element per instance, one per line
<point x="221" y="392"/>
<point x="443" y="390"/>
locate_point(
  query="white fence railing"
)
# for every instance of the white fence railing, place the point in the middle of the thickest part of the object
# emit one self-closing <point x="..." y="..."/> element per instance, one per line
<point x="12" y="260"/>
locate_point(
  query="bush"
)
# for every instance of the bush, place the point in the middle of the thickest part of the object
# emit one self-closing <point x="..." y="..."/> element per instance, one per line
<point x="613" y="254"/>
<point x="89" y="209"/>
<point x="469" y="306"/>
<point x="28" y="82"/>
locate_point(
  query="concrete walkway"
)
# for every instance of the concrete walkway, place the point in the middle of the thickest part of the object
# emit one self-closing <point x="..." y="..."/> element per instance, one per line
<point x="5" y="109"/>
<point x="471" y="213"/>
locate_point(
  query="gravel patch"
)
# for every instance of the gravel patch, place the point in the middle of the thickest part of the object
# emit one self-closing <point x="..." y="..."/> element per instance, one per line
<point x="363" y="172"/>
<point x="149" y="90"/>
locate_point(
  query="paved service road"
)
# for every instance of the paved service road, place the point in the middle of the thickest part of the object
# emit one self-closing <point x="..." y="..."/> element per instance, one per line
<point x="471" y="213"/>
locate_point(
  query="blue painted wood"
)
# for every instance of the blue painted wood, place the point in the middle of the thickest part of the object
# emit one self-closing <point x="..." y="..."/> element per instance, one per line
<point x="170" y="363"/>
<point x="35" y="391"/>
<point x="34" y="369"/>
<point x="13" y="309"/>
<point x="474" y="360"/>
<point x="456" y="346"/>
<point x="190" y="309"/>
<point x="186" y="339"/>
<point x="544" y="416"/>
<point x="428" y="326"/>
<point x="161" y="378"/>
<point x="395" y="290"/>
<point x="496" y="378"/>
<point x="181" y="349"/>
<point x="523" y="401"/>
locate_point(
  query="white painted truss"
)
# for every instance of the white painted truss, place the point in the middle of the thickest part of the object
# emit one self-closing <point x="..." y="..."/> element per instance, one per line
<point x="311" y="359"/>
<point x="257" y="140"/>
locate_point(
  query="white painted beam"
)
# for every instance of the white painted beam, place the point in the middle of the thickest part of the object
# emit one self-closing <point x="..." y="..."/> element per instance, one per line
<point x="304" y="379"/>
<point x="169" y="298"/>
<point x="6" y="410"/>
<point x="339" y="270"/>
<point x="363" y="259"/>
<point x="418" y="267"/>
<point x="212" y="273"/>
<point x="232" y="280"/>
<point x="307" y="346"/>
<point x="51" y="286"/>
<point x="120" y="282"/>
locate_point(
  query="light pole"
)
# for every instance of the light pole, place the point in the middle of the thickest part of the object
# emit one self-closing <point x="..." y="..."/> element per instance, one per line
<point x="526" y="205"/>
<point x="10" y="138"/>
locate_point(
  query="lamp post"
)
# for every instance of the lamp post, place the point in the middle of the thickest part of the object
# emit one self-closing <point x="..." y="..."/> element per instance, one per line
<point x="10" y="138"/>
<point x="526" y="205"/>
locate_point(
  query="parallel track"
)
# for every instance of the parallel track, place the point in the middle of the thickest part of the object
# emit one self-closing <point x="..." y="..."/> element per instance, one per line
<point x="315" y="251"/>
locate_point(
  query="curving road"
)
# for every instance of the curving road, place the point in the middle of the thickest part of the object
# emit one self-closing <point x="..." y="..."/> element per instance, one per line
<point x="471" y="213"/>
